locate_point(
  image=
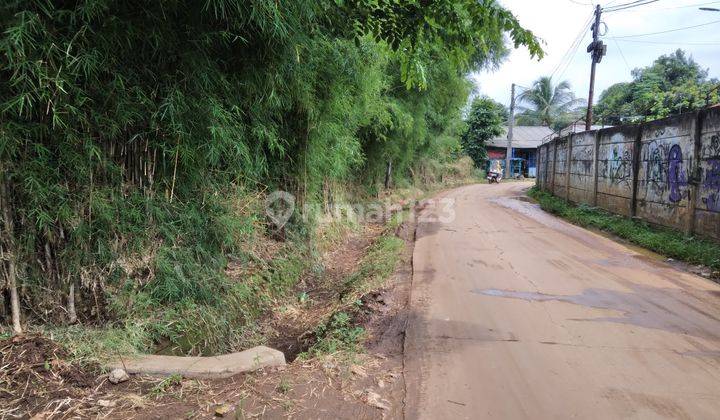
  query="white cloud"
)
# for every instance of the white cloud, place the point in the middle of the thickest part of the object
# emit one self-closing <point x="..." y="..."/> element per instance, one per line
<point x="558" y="22"/>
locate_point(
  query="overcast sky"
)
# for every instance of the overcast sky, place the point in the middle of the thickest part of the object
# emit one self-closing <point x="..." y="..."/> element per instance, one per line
<point x="558" y="22"/>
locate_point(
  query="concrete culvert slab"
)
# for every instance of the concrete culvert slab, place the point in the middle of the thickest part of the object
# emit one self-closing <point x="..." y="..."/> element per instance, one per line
<point x="212" y="367"/>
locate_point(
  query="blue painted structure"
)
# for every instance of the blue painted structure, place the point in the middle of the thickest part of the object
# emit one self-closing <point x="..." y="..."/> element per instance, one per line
<point x="526" y="140"/>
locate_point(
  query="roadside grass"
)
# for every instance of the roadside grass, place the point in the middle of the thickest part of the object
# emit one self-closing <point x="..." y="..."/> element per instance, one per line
<point x="227" y="322"/>
<point x="162" y="387"/>
<point x="88" y="345"/>
<point x="374" y="268"/>
<point x="162" y="305"/>
<point x="339" y="333"/>
<point x="398" y="219"/>
<point x="664" y="241"/>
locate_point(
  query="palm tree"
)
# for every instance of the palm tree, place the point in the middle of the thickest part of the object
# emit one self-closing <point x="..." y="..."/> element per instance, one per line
<point x="547" y="104"/>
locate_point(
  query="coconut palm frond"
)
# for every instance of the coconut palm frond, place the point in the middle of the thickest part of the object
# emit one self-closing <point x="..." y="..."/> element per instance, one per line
<point x="547" y="102"/>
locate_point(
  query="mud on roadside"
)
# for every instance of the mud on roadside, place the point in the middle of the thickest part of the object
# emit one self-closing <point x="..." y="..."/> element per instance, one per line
<point x="366" y="384"/>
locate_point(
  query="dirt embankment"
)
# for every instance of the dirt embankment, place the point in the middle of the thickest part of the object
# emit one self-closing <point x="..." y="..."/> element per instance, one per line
<point x="37" y="378"/>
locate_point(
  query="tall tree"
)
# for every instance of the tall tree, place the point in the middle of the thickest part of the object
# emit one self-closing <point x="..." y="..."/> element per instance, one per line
<point x="673" y="84"/>
<point x="135" y="128"/>
<point x="548" y="104"/>
<point x="484" y="122"/>
<point x="473" y="33"/>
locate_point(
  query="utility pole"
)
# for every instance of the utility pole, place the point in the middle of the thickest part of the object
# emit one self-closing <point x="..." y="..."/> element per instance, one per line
<point x="597" y="49"/>
<point x="511" y="123"/>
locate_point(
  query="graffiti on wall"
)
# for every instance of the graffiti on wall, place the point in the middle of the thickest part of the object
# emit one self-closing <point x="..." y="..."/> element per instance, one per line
<point x="665" y="171"/>
<point x="712" y="183"/>
<point x="655" y="171"/>
<point x="618" y="165"/>
<point x="712" y="175"/>
<point x="667" y="164"/>
<point x="560" y="162"/>
<point x="582" y="159"/>
<point x="712" y="150"/>
<point x="676" y="174"/>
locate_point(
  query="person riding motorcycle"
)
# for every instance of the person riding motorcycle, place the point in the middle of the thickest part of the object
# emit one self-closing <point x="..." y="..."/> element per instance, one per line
<point x="494" y="172"/>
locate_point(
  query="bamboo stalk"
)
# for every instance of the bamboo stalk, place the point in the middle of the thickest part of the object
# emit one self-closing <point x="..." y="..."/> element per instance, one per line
<point x="14" y="297"/>
<point x="12" y="269"/>
<point x="72" y="314"/>
<point x="172" y="187"/>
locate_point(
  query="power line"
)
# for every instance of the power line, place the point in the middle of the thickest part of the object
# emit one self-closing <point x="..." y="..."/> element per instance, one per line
<point x="573" y="54"/>
<point x="570" y="57"/>
<point x="567" y="66"/>
<point x="659" y="9"/>
<point x="577" y="39"/>
<point x="622" y="55"/>
<point x="669" y="30"/>
<point x="573" y="47"/>
<point x="632" y="6"/>
<point x="663" y="42"/>
<point x="628" y="5"/>
<point x="622" y="5"/>
<point x="690" y="5"/>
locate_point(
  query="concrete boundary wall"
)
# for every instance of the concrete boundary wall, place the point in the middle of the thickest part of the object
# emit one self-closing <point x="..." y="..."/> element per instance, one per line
<point x="666" y="172"/>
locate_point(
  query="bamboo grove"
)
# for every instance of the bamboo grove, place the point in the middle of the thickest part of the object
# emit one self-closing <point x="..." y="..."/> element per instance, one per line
<point x="136" y="136"/>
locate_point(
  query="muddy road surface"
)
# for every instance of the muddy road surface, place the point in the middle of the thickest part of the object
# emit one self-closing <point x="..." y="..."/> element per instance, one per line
<point x="516" y="314"/>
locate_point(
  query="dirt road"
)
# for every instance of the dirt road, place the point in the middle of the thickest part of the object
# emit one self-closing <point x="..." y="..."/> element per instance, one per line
<point x="516" y="314"/>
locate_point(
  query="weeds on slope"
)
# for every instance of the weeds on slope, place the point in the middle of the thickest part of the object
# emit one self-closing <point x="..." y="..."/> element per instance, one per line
<point x="340" y="332"/>
<point x="664" y="241"/>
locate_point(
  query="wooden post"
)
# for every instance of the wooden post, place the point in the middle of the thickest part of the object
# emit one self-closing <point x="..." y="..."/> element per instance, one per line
<point x="554" y="143"/>
<point x="596" y="159"/>
<point x="568" y="162"/>
<point x="597" y="50"/>
<point x="695" y="175"/>
<point x="511" y="124"/>
<point x="547" y="166"/>
<point x="547" y="159"/>
<point x="538" y="162"/>
<point x="637" y="146"/>
<point x="543" y="169"/>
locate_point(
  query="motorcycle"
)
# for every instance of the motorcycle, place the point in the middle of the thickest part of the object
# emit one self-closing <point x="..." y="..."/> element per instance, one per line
<point x="494" y="177"/>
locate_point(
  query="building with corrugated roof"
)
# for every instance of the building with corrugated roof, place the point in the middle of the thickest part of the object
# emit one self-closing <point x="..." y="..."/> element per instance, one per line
<point x="525" y="141"/>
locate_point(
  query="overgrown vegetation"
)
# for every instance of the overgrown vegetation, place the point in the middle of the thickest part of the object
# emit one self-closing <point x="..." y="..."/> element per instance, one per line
<point x="483" y="123"/>
<point x="163" y="386"/>
<point x="663" y="241"/>
<point x="673" y="84"/>
<point x="138" y="141"/>
<point x="340" y="333"/>
<point x="376" y="266"/>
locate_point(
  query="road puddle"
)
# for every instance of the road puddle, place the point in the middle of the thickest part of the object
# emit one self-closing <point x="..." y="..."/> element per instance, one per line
<point x="594" y="298"/>
<point x="634" y="256"/>
<point x="515" y="295"/>
<point x="530" y="209"/>
<point x="665" y="309"/>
